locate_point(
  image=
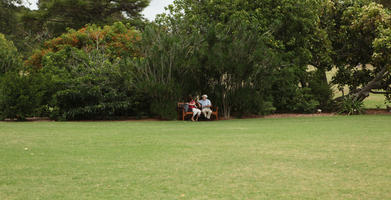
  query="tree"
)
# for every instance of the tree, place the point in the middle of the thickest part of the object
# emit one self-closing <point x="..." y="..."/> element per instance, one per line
<point x="17" y="91"/>
<point x="360" y="39"/>
<point x="9" y="56"/>
<point x="118" y="41"/>
<point x="163" y="73"/>
<point x="10" y="23"/>
<point x="8" y="17"/>
<point x="246" y="46"/>
<point x="58" y="15"/>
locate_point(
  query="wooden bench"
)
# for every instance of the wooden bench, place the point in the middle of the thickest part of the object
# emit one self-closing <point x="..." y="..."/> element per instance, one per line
<point x="182" y="113"/>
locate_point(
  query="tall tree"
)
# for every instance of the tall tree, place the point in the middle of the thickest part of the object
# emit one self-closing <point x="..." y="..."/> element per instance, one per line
<point x="245" y="44"/>
<point x="8" y="17"/>
<point x="58" y="15"/>
<point x="10" y="11"/>
<point x="360" y="38"/>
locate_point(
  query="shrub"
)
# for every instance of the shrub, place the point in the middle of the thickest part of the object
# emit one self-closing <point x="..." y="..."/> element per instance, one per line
<point x="19" y="95"/>
<point x="290" y="94"/>
<point x="350" y="106"/>
<point x="322" y="93"/>
<point x="90" y="86"/>
<point x="250" y="101"/>
<point x="88" y="74"/>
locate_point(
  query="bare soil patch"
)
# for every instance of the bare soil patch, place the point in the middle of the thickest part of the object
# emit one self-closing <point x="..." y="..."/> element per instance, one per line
<point x="377" y="112"/>
<point x="300" y="115"/>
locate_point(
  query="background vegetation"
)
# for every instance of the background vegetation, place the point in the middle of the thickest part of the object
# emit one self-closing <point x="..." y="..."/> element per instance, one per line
<point x="67" y="61"/>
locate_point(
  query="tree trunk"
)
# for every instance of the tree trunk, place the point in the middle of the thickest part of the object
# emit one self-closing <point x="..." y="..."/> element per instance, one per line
<point x="323" y="76"/>
<point x="226" y="108"/>
<point x="386" y="92"/>
<point x="364" y="92"/>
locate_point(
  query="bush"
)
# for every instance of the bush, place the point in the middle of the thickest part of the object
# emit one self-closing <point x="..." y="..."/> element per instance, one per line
<point x="292" y="95"/>
<point x="90" y="86"/>
<point x="87" y="74"/>
<point x="250" y="101"/>
<point x="350" y="106"/>
<point x="322" y="93"/>
<point x="19" y="95"/>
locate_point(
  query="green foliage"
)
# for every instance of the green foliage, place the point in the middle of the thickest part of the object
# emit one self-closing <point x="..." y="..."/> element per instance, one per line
<point x="59" y="15"/>
<point x="243" y="45"/>
<point x="20" y="95"/>
<point x="360" y="41"/>
<point x="350" y="106"/>
<point x="250" y="101"/>
<point x="16" y="29"/>
<point x="16" y="88"/>
<point x="87" y="74"/>
<point x="28" y="29"/>
<point x="321" y="91"/>
<point x="98" y="90"/>
<point x="250" y="57"/>
<point x="9" y="56"/>
<point x="162" y="74"/>
<point x="8" y="18"/>
<point x="117" y="41"/>
<point x="303" y="96"/>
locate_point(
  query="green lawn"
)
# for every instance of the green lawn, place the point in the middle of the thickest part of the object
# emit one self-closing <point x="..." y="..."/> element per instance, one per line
<point x="376" y="101"/>
<point x="291" y="158"/>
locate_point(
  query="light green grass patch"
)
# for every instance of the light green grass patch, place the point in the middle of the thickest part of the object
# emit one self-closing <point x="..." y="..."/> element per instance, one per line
<point x="290" y="158"/>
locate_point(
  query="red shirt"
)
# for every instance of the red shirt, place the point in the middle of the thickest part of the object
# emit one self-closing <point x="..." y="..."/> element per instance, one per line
<point x="192" y="104"/>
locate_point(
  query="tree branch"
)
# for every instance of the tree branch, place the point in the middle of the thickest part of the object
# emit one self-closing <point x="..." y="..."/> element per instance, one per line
<point x="364" y="92"/>
<point x="375" y="92"/>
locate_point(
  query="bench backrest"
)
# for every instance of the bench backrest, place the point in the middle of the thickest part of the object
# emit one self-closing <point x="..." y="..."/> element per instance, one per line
<point x="181" y="104"/>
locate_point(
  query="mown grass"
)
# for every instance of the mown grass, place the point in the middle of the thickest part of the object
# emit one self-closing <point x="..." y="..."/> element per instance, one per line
<point x="376" y="101"/>
<point x="289" y="158"/>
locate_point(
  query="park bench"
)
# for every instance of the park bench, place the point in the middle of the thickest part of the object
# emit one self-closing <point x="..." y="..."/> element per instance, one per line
<point x="183" y="113"/>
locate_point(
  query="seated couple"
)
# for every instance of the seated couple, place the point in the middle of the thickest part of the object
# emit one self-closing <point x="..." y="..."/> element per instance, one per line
<point x="204" y="104"/>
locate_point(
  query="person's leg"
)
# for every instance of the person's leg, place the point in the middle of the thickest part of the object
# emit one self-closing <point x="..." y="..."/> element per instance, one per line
<point x="209" y="113"/>
<point x="198" y="114"/>
<point x="194" y="114"/>
<point x="204" y="110"/>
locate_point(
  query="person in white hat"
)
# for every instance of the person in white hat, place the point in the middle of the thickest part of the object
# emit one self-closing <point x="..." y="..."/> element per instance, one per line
<point x="206" y="105"/>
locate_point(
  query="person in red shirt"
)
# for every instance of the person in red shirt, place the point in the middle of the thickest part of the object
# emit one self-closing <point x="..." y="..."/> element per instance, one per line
<point x="194" y="109"/>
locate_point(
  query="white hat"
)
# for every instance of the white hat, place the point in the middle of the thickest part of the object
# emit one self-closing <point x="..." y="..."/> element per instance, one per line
<point x="205" y="95"/>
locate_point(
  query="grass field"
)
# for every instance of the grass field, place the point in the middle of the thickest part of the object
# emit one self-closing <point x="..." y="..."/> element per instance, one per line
<point x="375" y="101"/>
<point x="289" y="158"/>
